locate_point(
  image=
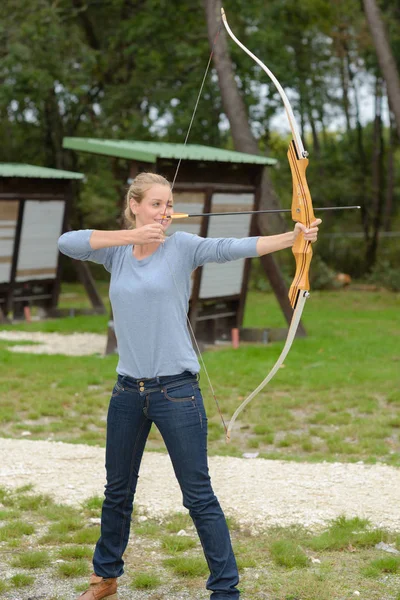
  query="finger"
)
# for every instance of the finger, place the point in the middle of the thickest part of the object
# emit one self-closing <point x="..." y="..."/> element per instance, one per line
<point x="316" y="222"/>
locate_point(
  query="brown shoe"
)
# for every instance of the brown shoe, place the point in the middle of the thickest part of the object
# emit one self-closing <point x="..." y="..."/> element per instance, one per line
<point x="100" y="588"/>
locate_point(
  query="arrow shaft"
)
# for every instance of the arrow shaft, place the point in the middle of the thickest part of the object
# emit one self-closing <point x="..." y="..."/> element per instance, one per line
<point x="254" y="212"/>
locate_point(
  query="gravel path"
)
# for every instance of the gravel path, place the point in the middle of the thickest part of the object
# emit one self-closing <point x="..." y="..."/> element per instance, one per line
<point x="73" y="344"/>
<point x="256" y="492"/>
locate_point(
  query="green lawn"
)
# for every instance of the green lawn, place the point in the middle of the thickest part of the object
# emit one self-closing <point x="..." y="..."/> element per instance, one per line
<point x="337" y="397"/>
<point x="44" y="541"/>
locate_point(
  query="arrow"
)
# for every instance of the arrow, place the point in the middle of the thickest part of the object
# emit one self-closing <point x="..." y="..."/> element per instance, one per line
<point x="253" y="212"/>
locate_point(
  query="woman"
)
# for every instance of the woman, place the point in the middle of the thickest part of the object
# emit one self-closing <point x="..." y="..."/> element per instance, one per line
<point x="157" y="372"/>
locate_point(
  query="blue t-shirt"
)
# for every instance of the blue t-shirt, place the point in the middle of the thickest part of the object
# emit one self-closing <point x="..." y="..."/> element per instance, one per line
<point x="150" y="297"/>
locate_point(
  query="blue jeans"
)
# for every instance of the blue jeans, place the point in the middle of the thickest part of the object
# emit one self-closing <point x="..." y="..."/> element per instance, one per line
<point x="176" y="407"/>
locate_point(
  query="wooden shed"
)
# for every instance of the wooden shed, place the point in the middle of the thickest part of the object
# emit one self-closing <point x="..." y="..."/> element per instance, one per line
<point x="33" y="202"/>
<point x="209" y="180"/>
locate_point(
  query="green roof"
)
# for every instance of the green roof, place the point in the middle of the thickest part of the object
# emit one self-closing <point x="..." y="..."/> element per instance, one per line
<point x="34" y="172"/>
<point x="150" y="151"/>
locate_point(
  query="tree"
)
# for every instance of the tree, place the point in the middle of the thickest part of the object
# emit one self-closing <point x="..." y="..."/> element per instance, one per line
<point x="385" y="57"/>
<point x="244" y="141"/>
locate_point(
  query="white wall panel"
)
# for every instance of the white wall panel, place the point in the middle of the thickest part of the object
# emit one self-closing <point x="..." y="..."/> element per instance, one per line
<point x="225" y="279"/>
<point x="41" y="228"/>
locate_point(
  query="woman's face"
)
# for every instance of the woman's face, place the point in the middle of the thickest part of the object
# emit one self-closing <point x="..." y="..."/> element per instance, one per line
<point x="155" y="205"/>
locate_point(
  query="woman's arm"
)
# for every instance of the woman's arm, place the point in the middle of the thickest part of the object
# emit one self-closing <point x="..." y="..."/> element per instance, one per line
<point x="100" y="246"/>
<point x="272" y="243"/>
<point x="147" y="234"/>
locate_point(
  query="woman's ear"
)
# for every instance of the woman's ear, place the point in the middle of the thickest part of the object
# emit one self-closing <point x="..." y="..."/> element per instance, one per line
<point x="133" y="205"/>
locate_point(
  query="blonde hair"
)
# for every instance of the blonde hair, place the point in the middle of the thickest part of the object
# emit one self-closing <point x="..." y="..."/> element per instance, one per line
<point x="140" y="185"/>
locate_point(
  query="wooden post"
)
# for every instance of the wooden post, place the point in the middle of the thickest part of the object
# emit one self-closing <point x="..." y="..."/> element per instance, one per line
<point x="279" y="287"/>
<point x="86" y="278"/>
<point x="14" y="264"/>
<point x="193" y="312"/>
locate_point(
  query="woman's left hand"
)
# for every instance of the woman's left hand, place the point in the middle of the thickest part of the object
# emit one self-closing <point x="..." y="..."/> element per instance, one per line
<point x="310" y="233"/>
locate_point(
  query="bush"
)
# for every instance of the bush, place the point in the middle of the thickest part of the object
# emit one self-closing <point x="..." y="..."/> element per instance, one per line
<point x="386" y="275"/>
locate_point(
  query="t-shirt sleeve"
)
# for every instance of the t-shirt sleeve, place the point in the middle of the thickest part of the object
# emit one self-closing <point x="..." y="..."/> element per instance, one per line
<point x="203" y="250"/>
<point x="76" y="244"/>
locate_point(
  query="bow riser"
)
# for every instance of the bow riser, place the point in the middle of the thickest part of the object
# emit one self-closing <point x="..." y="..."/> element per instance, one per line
<point x="302" y="212"/>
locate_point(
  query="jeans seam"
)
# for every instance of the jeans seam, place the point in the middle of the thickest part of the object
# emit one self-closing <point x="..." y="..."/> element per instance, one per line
<point x="121" y="539"/>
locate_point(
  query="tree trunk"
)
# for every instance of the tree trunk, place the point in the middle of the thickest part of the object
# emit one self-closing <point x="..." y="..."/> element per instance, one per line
<point x="244" y="141"/>
<point x="363" y="169"/>
<point x="235" y="109"/>
<point x="388" y="209"/>
<point x="377" y="181"/>
<point x="343" y="56"/>
<point x="385" y="57"/>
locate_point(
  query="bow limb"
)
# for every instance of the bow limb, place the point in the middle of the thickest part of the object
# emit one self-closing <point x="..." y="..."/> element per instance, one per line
<point x="289" y="340"/>
<point x="289" y="111"/>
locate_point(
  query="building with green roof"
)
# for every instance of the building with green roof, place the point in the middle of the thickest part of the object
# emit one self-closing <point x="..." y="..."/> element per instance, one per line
<point x="206" y="180"/>
<point x="33" y="202"/>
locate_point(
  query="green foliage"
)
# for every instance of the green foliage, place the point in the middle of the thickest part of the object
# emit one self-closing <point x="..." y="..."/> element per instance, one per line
<point x="87" y="535"/>
<point x="345" y="532"/>
<point x="67" y="525"/>
<point x="15" y="530"/>
<point x="133" y="70"/>
<point x="286" y="553"/>
<point x="36" y="559"/>
<point x="75" y="552"/>
<point x="322" y="277"/>
<point x="187" y="566"/>
<point x="324" y="402"/>
<point x="387" y="564"/>
<point x="33" y="502"/>
<point x="94" y="504"/>
<point x="77" y="568"/>
<point x="145" y="581"/>
<point x="387" y="275"/>
<point x="174" y="544"/>
<point x="178" y="521"/>
<point x="20" y="580"/>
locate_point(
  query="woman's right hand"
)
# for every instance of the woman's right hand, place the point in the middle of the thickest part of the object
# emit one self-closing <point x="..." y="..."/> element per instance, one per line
<point x="148" y="234"/>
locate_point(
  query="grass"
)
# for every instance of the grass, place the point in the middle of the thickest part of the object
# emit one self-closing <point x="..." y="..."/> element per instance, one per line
<point x="146" y="581"/>
<point x="336" y="399"/>
<point x="175" y="544"/>
<point x="187" y="566"/>
<point x="280" y="563"/>
<point x="75" y="552"/>
<point x="286" y="553"/>
<point x="77" y="568"/>
<point x="35" y="559"/>
<point x="344" y="533"/>
<point x="21" y="580"/>
<point x="15" y="530"/>
<point x="388" y="564"/>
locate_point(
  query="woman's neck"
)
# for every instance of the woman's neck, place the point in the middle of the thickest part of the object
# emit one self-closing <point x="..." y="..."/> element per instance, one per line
<point x="145" y="250"/>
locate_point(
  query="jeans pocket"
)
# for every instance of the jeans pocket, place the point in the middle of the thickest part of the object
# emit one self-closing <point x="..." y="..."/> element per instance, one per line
<point x="118" y="388"/>
<point x="182" y="393"/>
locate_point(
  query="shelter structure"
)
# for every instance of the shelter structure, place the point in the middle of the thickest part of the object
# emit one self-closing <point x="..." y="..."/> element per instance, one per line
<point x="33" y="213"/>
<point x="209" y="180"/>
